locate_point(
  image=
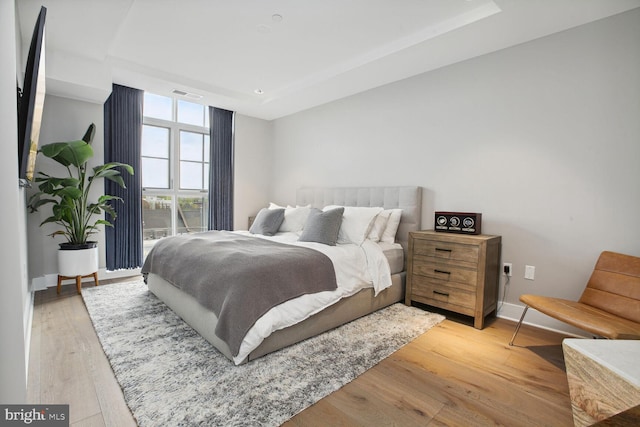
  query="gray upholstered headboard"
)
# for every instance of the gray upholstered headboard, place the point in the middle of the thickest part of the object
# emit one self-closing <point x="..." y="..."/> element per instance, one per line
<point x="409" y="199"/>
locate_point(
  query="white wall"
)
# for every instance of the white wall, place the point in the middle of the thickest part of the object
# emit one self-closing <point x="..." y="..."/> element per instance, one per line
<point x="15" y="298"/>
<point x="543" y="139"/>
<point x="252" y="167"/>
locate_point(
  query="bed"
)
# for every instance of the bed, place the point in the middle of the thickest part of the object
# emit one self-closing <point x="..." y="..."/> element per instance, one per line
<point x="268" y="335"/>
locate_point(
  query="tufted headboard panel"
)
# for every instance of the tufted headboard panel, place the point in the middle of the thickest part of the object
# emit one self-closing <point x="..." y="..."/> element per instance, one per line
<point x="407" y="198"/>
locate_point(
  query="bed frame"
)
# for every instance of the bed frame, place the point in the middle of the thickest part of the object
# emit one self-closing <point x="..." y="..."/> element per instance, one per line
<point x="409" y="199"/>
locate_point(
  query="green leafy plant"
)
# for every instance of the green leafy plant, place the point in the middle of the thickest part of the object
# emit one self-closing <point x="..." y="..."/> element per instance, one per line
<point x="69" y="195"/>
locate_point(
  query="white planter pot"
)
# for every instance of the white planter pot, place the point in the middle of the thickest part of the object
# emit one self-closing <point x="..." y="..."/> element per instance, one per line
<point x="80" y="262"/>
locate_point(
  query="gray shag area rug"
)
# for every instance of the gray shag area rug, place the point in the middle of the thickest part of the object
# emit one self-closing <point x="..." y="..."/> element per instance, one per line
<point x="171" y="376"/>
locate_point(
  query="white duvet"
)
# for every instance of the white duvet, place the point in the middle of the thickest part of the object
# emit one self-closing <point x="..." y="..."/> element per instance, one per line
<point x="357" y="267"/>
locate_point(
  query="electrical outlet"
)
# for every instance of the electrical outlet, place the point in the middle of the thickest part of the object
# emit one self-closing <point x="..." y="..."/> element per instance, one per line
<point x="529" y="272"/>
<point x="507" y="269"/>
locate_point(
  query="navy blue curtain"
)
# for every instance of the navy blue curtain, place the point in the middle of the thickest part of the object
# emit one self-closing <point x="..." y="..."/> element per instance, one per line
<point x="221" y="169"/>
<point x="122" y="143"/>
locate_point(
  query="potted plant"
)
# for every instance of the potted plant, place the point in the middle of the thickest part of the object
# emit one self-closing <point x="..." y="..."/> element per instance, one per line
<point x="71" y="207"/>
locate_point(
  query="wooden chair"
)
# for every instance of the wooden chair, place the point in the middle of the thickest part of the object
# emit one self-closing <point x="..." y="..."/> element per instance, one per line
<point x="609" y="306"/>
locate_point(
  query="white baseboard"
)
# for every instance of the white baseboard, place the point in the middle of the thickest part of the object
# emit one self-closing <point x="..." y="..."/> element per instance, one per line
<point x="28" y="324"/>
<point x="51" y="280"/>
<point x="539" y="320"/>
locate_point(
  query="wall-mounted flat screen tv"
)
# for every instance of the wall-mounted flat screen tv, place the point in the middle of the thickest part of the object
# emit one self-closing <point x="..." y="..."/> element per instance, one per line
<point x="31" y="102"/>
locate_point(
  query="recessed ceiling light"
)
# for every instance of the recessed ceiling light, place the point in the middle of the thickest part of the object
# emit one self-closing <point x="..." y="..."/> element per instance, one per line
<point x="258" y="91"/>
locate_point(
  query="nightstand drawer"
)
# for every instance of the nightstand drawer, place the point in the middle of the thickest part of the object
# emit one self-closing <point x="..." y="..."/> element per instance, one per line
<point x="429" y="267"/>
<point x="446" y="250"/>
<point x="424" y="287"/>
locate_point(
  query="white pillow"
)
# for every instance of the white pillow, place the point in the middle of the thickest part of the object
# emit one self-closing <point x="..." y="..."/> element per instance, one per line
<point x="389" y="234"/>
<point x="379" y="224"/>
<point x="294" y="218"/>
<point x="356" y="223"/>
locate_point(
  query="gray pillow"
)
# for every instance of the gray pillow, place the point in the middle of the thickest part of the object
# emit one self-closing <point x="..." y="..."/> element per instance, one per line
<point x="322" y="227"/>
<point x="267" y="222"/>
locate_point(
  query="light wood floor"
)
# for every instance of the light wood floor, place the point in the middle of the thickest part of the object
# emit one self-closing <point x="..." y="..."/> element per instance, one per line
<point x="451" y="375"/>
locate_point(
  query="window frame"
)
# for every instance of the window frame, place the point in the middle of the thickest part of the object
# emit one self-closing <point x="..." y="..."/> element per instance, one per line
<point x="174" y="191"/>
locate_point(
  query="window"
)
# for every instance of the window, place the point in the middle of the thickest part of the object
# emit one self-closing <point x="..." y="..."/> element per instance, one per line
<point x="175" y="168"/>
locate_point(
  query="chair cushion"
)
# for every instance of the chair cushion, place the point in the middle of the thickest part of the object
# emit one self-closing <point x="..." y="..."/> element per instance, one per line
<point x="583" y="316"/>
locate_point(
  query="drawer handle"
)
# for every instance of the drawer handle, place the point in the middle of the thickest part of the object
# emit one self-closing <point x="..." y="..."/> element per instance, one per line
<point x="446" y="294"/>
<point x="442" y="271"/>
<point x="443" y="250"/>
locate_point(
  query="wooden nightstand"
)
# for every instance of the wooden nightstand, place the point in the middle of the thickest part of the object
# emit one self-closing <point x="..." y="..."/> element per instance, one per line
<point x="455" y="272"/>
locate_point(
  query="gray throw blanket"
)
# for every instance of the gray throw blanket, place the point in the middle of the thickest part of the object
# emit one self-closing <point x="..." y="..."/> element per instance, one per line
<point x="239" y="277"/>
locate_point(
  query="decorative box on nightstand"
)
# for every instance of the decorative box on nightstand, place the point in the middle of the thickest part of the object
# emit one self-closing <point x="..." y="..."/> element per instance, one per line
<point x="455" y="272"/>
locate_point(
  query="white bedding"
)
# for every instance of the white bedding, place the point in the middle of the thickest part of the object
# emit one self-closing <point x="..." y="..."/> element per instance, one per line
<point x="357" y="267"/>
